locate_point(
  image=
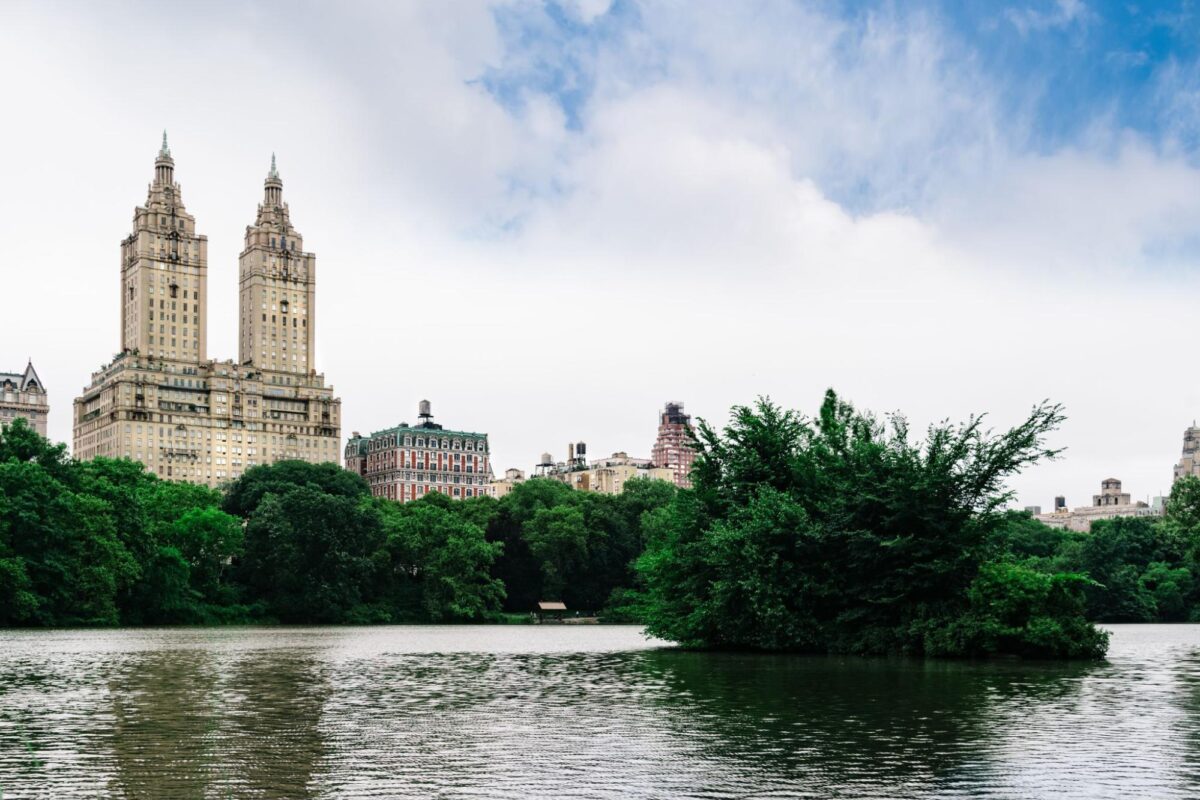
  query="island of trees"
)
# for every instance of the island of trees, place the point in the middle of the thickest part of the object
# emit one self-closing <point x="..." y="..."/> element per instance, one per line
<point x="837" y="533"/>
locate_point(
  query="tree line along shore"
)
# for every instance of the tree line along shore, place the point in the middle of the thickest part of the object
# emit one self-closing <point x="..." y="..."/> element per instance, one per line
<point x="837" y="533"/>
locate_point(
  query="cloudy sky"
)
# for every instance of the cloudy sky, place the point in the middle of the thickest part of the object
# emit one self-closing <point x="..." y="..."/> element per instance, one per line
<point x="549" y="219"/>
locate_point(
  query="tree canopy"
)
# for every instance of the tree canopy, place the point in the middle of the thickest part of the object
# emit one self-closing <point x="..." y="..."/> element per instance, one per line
<point x="841" y="534"/>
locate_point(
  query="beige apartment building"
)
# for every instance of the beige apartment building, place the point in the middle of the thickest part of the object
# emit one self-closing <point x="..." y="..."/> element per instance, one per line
<point x="512" y="477"/>
<point x="161" y="401"/>
<point x="1109" y="504"/>
<point x="23" y="395"/>
<point x="605" y="475"/>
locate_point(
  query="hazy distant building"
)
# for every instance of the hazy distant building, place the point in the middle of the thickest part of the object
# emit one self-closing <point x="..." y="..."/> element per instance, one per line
<point x="1110" y="503"/>
<point x="23" y="395"/>
<point x="672" y="449"/>
<point x="160" y="400"/>
<point x="1033" y="510"/>
<point x="409" y="461"/>
<point x="1110" y="494"/>
<point x="605" y="475"/>
<point x="1189" y="461"/>
<point x="504" y="485"/>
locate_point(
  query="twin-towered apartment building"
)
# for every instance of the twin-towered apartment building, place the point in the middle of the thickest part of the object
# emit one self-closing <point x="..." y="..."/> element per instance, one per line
<point x="161" y="400"/>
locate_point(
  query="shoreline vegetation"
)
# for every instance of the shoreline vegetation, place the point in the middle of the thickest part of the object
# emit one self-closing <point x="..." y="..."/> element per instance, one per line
<point x="832" y="534"/>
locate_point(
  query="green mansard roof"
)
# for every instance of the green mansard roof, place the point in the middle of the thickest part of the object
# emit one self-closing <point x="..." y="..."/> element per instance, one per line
<point x="418" y="430"/>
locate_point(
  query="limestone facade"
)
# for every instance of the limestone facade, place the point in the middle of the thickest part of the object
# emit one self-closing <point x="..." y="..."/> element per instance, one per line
<point x="605" y="475"/>
<point x="23" y="395"/>
<point x="503" y="486"/>
<point x="161" y="400"/>
<point x="1109" y="504"/>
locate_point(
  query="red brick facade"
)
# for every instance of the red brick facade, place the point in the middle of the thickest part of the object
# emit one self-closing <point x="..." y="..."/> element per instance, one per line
<point x="672" y="448"/>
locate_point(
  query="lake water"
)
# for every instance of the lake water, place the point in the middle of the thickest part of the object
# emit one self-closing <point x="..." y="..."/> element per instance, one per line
<point x="579" y="712"/>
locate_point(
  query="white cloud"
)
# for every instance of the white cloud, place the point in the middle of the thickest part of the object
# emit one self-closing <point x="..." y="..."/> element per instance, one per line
<point x="1060" y="14"/>
<point x="770" y="202"/>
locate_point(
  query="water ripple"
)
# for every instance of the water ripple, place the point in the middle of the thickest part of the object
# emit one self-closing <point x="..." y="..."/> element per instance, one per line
<point x="569" y="712"/>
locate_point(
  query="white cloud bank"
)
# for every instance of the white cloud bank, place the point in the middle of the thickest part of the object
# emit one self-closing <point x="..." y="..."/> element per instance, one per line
<point x="753" y="203"/>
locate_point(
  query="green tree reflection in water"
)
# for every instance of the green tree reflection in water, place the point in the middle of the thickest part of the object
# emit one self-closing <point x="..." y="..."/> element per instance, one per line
<point x="164" y="724"/>
<point x="820" y="726"/>
<point x="270" y="739"/>
<point x="202" y="723"/>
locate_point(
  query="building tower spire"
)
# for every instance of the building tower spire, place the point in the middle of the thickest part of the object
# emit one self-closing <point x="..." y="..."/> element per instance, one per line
<point x="273" y="186"/>
<point x="164" y="165"/>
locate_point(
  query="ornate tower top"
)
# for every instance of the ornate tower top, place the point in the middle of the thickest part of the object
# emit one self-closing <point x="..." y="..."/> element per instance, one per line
<point x="273" y="186"/>
<point x="164" y="166"/>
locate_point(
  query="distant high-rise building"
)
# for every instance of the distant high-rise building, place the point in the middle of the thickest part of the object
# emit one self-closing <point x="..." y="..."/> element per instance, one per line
<point x="673" y="449"/>
<point x="23" y="395"/>
<point x="409" y="461"/>
<point x="1189" y="461"/>
<point x="278" y="289"/>
<point x="161" y="401"/>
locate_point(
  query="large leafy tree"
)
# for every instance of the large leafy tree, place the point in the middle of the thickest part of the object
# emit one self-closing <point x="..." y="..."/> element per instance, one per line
<point x="61" y="561"/>
<point x="838" y="533"/>
<point x="243" y="495"/>
<point x="309" y="554"/>
<point x="439" y="562"/>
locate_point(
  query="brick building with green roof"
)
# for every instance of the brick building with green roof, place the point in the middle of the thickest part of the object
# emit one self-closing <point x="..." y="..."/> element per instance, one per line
<point x="408" y="461"/>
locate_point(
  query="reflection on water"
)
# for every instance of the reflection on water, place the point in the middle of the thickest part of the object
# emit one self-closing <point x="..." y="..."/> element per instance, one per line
<point x="579" y="712"/>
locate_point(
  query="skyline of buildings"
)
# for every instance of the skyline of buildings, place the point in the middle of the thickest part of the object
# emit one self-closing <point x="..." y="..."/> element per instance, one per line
<point x="160" y="400"/>
<point x="1110" y="503"/>
<point x="605" y="475"/>
<point x="163" y="402"/>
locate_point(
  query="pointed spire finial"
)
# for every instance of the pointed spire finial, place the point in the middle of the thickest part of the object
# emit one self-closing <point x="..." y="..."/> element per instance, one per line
<point x="274" y="173"/>
<point x="166" y="150"/>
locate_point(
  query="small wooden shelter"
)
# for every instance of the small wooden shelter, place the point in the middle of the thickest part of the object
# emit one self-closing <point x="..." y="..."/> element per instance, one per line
<point x="550" y="609"/>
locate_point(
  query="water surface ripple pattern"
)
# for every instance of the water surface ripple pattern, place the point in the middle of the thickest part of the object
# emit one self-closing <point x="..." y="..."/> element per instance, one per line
<point x="579" y="712"/>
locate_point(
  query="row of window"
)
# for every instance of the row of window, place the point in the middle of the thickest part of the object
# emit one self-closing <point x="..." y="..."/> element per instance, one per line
<point x="388" y="442"/>
<point x="392" y="493"/>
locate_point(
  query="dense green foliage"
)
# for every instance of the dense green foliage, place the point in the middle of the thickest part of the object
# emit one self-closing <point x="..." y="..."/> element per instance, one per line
<point x="578" y="547"/>
<point x="1143" y="569"/>
<point x="839" y="534"/>
<point x="835" y="534"/>
<point x="106" y="542"/>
